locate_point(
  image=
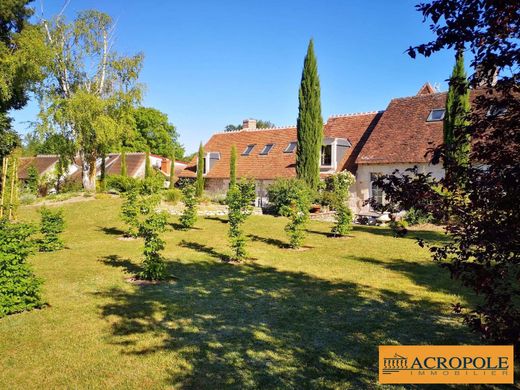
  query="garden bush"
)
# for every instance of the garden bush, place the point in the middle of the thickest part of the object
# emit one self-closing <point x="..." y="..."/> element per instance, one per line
<point x="337" y="186"/>
<point x="122" y="184"/>
<point x="280" y="193"/>
<point x="418" y="217"/>
<point x="240" y="198"/>
<point x="189" y="197"/>
<point x="172" y="195"/>
<point x="19" y="288"/>
<point x="51" y="225"/>
<point x="399" y="228"/>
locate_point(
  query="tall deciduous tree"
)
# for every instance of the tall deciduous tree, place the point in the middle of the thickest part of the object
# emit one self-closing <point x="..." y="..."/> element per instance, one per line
<point x="89" y="92"/>
<point x="23" y="55"/>
<point x="310" y="122"/>
<point x="456" y="140"/>
<point x="153" y="132"/>
<point x="233" y="166"/>
<point x="200" y="172"/>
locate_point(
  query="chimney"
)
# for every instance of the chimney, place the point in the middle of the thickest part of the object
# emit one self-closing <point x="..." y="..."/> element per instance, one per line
<point x="165" y="166"/>
<point x="249" y="124"/>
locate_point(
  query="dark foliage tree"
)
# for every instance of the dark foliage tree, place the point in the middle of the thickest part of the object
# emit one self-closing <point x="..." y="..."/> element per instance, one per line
<point x="482" y="216"/>
<point x="310" y="122"/>
<point x="23" y="55"/>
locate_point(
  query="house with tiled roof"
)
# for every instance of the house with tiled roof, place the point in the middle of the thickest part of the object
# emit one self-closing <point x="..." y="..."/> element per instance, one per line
<point x="135" y="163"/>
<point x="366" y="144"/>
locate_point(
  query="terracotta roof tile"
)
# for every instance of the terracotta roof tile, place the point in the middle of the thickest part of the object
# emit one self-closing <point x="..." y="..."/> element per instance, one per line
<point x="403" y="134"/>
<point x="278" y="163"/>
<point x="42" y="163"/>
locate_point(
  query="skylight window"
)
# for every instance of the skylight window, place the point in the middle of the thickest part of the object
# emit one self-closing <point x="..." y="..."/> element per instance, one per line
<point x="436" y="115"/>
<point x="248" y="150"/>
<point x="267" y="148"/>
<point x="291" y="147"/>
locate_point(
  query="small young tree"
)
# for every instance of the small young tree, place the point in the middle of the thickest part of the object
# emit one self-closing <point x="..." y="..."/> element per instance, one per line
<point x="338" y="185"/>
<point x="239" y="199"/>
<point x="130" y="211"/>
<point x="189" y="215"/>
<point x="296" y="208"/>
<point x="19" y="288"/>
<point x="233" y="166"/>
<point x="52" y="224"/>
<point x="123" y="164"/>
<point x="200" y="172"/>
<point x="150" y="225"/>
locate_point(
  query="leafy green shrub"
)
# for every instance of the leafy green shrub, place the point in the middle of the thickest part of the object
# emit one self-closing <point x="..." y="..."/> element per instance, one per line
<point x="172" y="195"/>
<point x="19" y="288"/>
<point x="399" y="228"/>
<point x="153" y="183"/>
<point x="280" y="193"/>
<point x="189" y="197"/>
<point x="295" y="205"/>
<point x="240" y="198"/>
<point x="122" y="184"/>
<point x="337" y="186"/>
<point x="52" y="224"/>
<point x="418" y="217"/>
<point x="70" y="185"/>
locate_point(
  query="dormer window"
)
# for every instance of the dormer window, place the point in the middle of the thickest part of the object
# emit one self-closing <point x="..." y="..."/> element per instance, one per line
<point x="291" y="147"/>
<point x="267" y="148"/>
<point x="248" y="150"/>
<point x="326" y="155"/>
<point x="436" y="115"/>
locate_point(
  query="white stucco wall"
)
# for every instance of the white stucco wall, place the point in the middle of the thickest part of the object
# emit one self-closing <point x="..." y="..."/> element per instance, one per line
<point x="361" y="191"/>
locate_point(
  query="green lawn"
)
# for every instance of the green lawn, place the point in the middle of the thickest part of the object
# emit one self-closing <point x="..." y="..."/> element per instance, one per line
<point x="285" y="319"/>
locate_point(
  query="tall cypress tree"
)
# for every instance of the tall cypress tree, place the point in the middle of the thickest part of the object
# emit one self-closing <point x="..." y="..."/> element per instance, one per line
<point x="123" y="163"/>
<point x="147" y="166"/>
<point x="310" y="122"/>
<point x="233" y="166"/>
<point x="456" y="139"/>
<point x="200" y="172"/>
<point x="172" y="170"/>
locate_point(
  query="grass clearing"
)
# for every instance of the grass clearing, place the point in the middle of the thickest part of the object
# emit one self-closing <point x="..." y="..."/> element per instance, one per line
<point x="287" y="319"/>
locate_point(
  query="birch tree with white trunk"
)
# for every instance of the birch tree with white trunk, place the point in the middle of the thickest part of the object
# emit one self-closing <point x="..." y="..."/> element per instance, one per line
<point x="89" y="91"/>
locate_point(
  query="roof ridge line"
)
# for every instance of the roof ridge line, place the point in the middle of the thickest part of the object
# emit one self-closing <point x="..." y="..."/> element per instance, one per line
<point x="253" y="130"/>
<point x="356" y="114"/>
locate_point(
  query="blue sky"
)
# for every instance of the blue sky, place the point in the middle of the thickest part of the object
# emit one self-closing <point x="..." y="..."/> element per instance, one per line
<point x="211" y="63"/>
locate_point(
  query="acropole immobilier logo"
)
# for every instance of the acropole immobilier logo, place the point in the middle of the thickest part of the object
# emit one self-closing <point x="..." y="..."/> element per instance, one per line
<point x="400" y="364"/>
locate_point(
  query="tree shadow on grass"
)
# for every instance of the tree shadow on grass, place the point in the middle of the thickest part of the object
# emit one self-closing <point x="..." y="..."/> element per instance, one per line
<point x="217" y="219"/>
<point x="178" y="226"/>
<point x="428" y="274"/>
<point x="271" y="241"/>
<point x="253" y="326"/>
<point x="113" y="231"/>
<point x="126" y="264"/>
<point x="430" y="236"/>
<point x="204" y="249"/>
